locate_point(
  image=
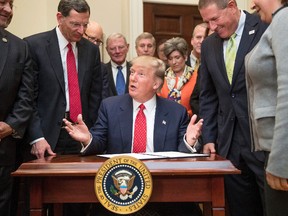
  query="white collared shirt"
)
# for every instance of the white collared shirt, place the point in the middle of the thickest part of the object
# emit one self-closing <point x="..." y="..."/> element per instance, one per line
<point x="115" y="71"/>
<point x="239" y="32"/>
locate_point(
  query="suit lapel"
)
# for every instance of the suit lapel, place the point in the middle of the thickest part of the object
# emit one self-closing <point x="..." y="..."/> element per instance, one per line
<point x="160" y="125"/>
<point x="127" y="76"/>
<point x="4" y="49"/>
<point x="248" y="36"/>
<point x="111" y="79"/>
<point x="82" y="61"/>
<point x="126" y="122"/>
<point x="219" y="56"/>
<point x="53" y="53"/>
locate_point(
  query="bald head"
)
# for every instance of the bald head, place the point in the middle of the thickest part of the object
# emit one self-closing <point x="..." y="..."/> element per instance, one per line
<point x="94" y="33"/>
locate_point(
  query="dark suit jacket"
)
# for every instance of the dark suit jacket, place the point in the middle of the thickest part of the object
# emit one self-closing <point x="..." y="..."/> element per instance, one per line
<point x="16" y="90"/>
<point x="50" y="95"/>
<point x="112" y="84"/>
<point x="112" y="133"/>
<point x="222" y="104"/>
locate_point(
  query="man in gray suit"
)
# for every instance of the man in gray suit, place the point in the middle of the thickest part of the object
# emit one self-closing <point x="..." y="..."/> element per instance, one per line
<point x="223" y="102"/>
<point x="16" y="90"/>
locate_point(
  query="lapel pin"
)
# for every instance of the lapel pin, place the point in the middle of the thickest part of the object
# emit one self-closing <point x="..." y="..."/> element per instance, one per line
<point x="4" y="40"/>
<point x="251" y="32"/>
<point x="164" y="122"/>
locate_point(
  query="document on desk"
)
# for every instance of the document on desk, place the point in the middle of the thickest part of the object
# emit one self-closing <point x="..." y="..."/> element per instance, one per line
<point x="156" y="155"/>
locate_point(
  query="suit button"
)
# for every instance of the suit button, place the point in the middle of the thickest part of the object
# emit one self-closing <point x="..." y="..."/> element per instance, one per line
<point x="232" y="119"/>
<point x="233" y="95"/>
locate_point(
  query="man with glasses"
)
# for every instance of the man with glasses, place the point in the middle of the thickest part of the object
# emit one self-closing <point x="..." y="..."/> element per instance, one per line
<point x="68" y="81"/>
<point x="94" y="33"/>
<point x="223" y="101"/>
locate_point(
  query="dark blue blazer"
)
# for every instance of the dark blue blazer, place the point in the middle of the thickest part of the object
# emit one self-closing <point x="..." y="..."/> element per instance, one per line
<point x="16" y="90"/>
<point x="112" y="133"/>
<point x="50" y="102"/>
<point x="222" y="104"/>
<point x="112" y="86"/>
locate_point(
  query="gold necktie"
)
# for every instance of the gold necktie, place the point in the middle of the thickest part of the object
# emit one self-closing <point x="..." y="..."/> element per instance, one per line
<point x="197" y="64"/>
<point x="231" y="50"/>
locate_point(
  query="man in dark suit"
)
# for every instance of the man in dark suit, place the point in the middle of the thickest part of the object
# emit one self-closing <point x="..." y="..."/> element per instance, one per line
<point x="58" y="54"/>
<point x="223" y="101"/>
<point x="117" y="48"/>
<point x="167" y="123"/>
<point x="94" y="33"/>
<point x="16" y="90"/>
<point x="200" y="32"/>
<point x="53" y="102"/>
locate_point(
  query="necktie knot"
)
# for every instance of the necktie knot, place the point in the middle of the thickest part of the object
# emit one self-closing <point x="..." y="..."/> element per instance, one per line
<point x="119" y="67"/>
<point x="69" y="45"/>
<point x="141" y="107"/>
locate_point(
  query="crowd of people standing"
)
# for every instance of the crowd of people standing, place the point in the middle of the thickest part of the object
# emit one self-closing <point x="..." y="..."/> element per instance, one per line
<point x="227" y="94"/>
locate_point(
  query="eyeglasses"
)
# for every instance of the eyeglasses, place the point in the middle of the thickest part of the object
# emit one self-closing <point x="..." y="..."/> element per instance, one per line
<point x="93" y="39"/>
<point x="76" y="25"/>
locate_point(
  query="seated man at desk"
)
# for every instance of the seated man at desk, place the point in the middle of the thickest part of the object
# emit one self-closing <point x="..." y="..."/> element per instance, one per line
<point x="163" y="125"/>
<point x="141" y="122"/>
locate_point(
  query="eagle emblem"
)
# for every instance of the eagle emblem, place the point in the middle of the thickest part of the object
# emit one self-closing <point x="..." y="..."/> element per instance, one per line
<point x="123" y="181"/>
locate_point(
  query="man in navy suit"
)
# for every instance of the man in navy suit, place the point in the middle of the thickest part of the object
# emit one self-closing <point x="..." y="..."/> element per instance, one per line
<point x="117" y="48"/>
<point x="168" y="127"/>
<point x="167" y="121"/>
<point x="223" y="102"/>
<point x="16" y="93"/>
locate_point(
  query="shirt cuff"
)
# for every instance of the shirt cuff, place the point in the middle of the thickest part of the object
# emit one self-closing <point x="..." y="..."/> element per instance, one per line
<point x="34" y="141"/>
<point x="190" y="148"/>
<point x="85" y="147"/>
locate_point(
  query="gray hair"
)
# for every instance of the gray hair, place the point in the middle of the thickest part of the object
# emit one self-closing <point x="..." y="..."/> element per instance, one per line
<point x="176" y="44"/>
<point x="115" y="35"/>
<point x="65" y="6"/>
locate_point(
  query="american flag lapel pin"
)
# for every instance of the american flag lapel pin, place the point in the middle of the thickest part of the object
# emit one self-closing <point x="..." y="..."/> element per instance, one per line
<point x="251" y="32"/>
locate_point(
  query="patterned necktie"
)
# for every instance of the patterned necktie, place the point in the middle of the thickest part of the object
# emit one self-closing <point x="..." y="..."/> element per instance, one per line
<point x="73" y="85"/>
<point x="120" y="81"/>
<point x="231" y="50"/>
<point x="140" y="131"/>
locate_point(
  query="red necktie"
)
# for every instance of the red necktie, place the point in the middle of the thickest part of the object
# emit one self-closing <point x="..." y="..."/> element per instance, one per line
<point x="73" y="85"/>
<point x="140" y="133"/>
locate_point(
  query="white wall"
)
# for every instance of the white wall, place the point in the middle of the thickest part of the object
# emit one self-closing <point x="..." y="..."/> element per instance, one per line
<point x="125" y="16"/>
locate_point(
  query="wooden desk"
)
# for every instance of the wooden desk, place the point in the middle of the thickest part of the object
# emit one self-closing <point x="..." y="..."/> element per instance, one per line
<point x="70" y="179"/>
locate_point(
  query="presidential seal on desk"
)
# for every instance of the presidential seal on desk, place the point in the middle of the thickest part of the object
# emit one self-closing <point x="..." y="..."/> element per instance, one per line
<point x="123" y="184"/>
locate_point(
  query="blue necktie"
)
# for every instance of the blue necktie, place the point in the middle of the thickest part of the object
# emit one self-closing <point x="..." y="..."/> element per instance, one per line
<point x="120" y="82"/>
